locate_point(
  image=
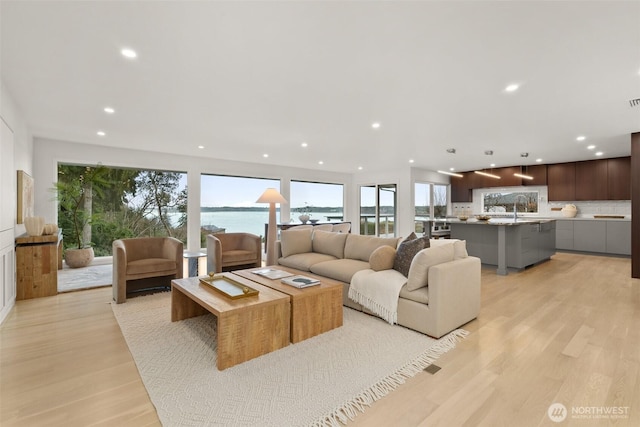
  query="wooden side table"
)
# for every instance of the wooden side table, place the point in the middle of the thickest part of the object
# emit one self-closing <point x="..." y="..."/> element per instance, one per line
<point x="37" y="266"/>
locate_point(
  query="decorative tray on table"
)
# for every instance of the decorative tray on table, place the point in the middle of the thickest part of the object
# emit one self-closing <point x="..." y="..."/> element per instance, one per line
<point x="228" y="287"/>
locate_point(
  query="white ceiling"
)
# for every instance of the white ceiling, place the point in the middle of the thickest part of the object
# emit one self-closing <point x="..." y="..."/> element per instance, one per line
<point x="248" y="78"/>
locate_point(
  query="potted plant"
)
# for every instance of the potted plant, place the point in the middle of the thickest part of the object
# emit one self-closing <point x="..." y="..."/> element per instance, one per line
<point x="75" y="213"/>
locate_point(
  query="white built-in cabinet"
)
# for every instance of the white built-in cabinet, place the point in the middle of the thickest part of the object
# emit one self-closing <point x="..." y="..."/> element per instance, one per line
<point x="7" y="220"/>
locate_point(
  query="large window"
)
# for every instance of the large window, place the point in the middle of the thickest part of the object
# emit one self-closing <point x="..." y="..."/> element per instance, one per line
<point x="321" y="201"/>
<point x="118" y="203"/>
<point x="506" y="201"/>
<point x="378" y="210"/>
<point x="430" y="203"/>
<point x="228" y="203"/>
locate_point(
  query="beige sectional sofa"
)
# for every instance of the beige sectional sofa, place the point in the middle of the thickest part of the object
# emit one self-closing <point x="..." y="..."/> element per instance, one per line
<point x="444" y="280"/>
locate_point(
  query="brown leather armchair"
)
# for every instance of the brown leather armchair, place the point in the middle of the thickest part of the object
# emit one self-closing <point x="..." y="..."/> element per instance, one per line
<point x="142" y="258"/>
<point x="226" y="251"/>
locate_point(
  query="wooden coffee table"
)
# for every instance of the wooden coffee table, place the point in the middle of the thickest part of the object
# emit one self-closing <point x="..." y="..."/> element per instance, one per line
<point x="314" y="310"/>
<point x="247" y="327"/>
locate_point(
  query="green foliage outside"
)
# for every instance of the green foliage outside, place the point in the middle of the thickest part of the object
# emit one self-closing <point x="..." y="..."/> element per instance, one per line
<point x="123" y="203"/>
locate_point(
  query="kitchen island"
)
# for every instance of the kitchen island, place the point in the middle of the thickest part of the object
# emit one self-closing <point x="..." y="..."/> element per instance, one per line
<point x="507" y="242"/>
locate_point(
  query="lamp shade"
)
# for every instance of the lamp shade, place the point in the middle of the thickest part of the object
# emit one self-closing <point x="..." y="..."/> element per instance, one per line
<point x="271" y="195"/>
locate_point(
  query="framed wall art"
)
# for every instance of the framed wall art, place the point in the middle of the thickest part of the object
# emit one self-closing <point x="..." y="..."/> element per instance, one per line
<point x="25" y="196"/>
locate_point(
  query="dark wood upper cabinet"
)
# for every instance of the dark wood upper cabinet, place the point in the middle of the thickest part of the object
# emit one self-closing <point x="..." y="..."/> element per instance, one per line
<point x="461" y="188"/>
<point x="539" y="174"/>
<point x="507" y="177"/>
<point x="561" y="179"/>
<point x="591" y="180"/>
<point x="603" y="179"/>
<point x="479" y="181"/>
<point x="619" y="178"/>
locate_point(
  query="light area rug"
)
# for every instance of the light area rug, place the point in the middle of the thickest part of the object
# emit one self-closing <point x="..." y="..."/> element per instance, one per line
<point x="322" y="381"/>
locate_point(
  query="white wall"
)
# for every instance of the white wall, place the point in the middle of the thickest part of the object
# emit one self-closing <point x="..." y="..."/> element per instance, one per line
<point x="17" y="145"/>
<point x="48" y="153"/>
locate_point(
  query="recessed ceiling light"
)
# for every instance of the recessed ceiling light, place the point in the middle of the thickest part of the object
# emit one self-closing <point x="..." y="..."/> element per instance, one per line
<point x="375" y="125"/>
<point x="359" y="168"/>
<point x="591" y="147"/>
<point x="109" y="110"/>
<point x="599" y="153"/>
<point x="265" y="155"/>
<point x="493" y="165"/>
<point x="321" y="162"/>
<point x="201" y="147"/>
<point x="100" y="133"/>
<point x="411" y="160"/>
<point x="581" y="138"/>
<point x="538" y="160"/>
<point x="512" y="87"/>
<point x="304" y="144"/>
<point x="452" y="169"/>
<point x="129" y="53"/>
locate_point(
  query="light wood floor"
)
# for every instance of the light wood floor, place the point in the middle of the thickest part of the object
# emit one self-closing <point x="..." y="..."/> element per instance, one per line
<point x="566" y="331"/>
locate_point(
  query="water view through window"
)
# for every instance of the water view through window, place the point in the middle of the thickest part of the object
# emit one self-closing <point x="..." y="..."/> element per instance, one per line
<point x="228" y="203"/>
<point x="504" y="202"/>
<point x="322" y="202"/>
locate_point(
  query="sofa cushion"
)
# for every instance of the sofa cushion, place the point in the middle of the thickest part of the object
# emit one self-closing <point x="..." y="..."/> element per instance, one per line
<point x="360" y="247"/>
<point x="459" y="246"/>
<point x="407" y="250"/>
<point x="420" y="295"/>
<point x="151" y="265"/>
<point x="419" y="270"/>
<point x="339" y="269"/>
<point x="329" y="243"/>
<point x="460" y="249"/>
<point x="382" y="258"/>
<point x="238" y="256"/>
<point x="304" y="261"/>
<point x="296" y="241"/>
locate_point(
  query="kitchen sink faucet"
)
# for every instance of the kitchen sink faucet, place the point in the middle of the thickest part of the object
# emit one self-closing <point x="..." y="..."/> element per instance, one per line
<point x="515" y="203"/>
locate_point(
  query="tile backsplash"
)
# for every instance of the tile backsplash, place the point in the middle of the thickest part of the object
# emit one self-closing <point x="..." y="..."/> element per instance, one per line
<point x="585" y="208"/>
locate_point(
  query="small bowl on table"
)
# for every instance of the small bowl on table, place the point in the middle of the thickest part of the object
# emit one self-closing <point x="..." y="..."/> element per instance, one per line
<point x="483" y="217"/>
<point x="463" y="217"/>
<point x="313" y="221"/>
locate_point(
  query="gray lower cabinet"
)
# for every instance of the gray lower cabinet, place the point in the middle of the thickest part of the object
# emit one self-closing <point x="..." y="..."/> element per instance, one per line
<point x="590" y="236"/>
<point x="526" y="244"/>
<point x="599" y="236"/>
<point x="619" y="237"/>
<point x="564" y="234"/>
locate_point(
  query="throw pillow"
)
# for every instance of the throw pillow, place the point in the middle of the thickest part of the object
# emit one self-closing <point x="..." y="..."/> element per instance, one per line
<point x="406" y="251"/>
<point x="419" y="271"/>
<point x="382" y="258"/>
<point x="295" y="242"/>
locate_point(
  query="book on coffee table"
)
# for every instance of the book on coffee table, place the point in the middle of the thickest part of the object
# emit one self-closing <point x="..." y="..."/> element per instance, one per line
<point x="272" y="273"/>
<point x="300" y="281"/>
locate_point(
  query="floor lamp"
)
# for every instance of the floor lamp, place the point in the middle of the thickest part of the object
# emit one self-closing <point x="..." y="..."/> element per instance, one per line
<point x="271" y="196"/>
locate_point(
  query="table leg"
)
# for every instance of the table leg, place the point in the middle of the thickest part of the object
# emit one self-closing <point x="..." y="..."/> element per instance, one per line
<point x="193" y="267"/>
<point x="183" y="307"/>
